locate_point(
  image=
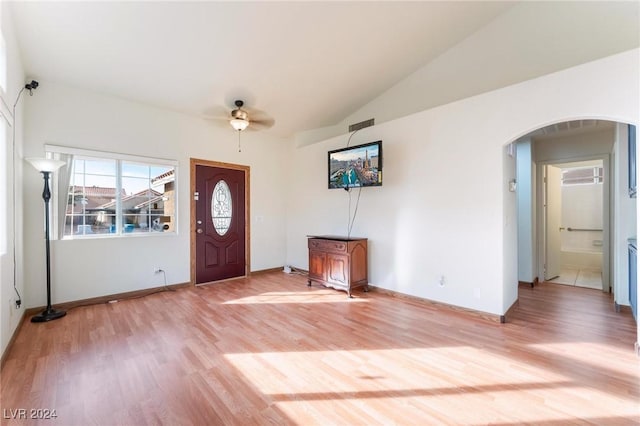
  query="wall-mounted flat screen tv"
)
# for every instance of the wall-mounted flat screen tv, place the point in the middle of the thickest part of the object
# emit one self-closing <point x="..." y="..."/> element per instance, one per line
<point x="356" y="166"/>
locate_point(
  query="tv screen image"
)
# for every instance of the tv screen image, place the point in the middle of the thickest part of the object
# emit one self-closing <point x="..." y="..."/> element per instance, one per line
<point x="356" y="166"/>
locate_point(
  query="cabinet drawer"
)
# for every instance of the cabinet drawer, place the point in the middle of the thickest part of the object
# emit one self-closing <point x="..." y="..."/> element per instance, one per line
<point x="328" y="245"/>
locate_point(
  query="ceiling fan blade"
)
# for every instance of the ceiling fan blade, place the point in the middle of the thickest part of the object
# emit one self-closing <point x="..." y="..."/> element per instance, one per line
<point x="217" y="113"/>
<point x="261" y="124"/>
<point x="259" y="119"/>
<point x="218" y="116"/>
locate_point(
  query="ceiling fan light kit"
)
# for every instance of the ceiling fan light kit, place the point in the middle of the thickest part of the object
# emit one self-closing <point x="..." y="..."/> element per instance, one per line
<point x="239" y="117"/>
<point x="239" y="124"/>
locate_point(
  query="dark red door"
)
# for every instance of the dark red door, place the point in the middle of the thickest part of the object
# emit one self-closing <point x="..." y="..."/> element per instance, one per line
<point x="220" y="224"/>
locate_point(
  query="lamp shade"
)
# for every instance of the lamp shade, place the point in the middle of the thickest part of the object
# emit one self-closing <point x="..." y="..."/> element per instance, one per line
<point x="45" y="164"/>
<point x="239" y="124"/>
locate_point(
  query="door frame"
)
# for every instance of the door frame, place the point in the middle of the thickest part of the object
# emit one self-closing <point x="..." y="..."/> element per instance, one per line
<point x="607" y="222"/>
<point x="247" y="222"/>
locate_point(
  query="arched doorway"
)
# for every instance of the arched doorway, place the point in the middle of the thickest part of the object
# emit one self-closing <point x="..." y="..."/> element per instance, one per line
<point x="572" y="150"/>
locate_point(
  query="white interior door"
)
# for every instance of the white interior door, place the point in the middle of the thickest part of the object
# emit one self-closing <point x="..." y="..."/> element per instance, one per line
<point x="553" y="215"/>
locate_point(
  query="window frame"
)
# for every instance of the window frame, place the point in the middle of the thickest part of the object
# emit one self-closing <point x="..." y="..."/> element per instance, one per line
<point x="55" y="150"/>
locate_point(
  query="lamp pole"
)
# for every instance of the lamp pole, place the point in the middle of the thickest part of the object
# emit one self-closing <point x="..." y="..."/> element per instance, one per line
<point x="46" y="167"/>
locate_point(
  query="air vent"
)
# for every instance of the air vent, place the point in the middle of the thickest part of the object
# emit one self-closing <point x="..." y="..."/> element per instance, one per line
<point x="361" y="125"/>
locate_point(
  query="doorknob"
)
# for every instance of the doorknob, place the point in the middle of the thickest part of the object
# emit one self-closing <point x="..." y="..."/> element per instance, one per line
<point x="199" y="231"/>
<point x="561" y="228"/>
<point x="199" y="222"/>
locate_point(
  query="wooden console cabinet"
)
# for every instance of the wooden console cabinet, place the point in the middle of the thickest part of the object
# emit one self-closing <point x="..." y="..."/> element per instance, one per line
<point x="338" y="262"/>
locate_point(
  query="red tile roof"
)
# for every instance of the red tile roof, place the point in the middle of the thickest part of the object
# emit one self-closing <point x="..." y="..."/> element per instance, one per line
<point x="96" y="191"/>
<point x="165" y="176"/>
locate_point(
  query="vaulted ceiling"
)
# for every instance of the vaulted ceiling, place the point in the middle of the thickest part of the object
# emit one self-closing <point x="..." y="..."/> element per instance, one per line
<point x="305" y="64"/>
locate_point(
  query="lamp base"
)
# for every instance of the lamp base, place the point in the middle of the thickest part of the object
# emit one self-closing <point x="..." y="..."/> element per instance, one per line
<point x="49" y="314"/>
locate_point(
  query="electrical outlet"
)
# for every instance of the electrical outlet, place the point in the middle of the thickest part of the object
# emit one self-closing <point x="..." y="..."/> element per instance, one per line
<point x="157" y="270"/>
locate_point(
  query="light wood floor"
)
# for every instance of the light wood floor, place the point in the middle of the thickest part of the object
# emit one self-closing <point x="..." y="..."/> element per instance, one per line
<point x="269" y="350"/>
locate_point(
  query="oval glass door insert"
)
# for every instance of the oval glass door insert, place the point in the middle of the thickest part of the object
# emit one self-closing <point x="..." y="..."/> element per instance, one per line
<point x="221" y="208"/>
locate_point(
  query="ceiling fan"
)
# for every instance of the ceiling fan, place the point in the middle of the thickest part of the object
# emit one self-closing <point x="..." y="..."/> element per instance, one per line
<point x="252" y="119"/>
<point x="242" y="118"/>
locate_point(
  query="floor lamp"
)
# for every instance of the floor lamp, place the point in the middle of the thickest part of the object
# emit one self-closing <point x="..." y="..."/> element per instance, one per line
<point x="47" y="167"/>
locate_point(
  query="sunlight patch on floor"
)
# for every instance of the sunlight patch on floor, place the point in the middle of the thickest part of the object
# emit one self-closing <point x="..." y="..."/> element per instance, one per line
<point x="429" y="382"/>
<point x="419" y="368"/>
<point x="594" y="355"/>
<point x="415" y="380"/>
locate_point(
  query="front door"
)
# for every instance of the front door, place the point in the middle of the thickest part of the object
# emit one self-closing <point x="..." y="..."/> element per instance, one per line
<point x="220" y="228"/>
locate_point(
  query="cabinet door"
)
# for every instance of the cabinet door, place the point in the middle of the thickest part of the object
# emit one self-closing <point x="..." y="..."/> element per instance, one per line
<point x="317" y="265"/>
<point x="338" y="269"/>
<point x="359" y="263"/>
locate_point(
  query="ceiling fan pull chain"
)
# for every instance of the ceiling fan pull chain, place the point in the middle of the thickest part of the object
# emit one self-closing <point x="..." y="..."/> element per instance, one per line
<point x="239" y="150"/>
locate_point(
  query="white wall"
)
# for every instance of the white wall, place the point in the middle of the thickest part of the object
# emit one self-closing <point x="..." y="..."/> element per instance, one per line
<point x="87" y="268"/>
<point x="440" y="210"/>
<point x="9" y="315"/>
<point x="582" y="209"/>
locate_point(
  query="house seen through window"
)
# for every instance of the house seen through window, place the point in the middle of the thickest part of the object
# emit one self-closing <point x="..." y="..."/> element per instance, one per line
<point x="118" y="197"/>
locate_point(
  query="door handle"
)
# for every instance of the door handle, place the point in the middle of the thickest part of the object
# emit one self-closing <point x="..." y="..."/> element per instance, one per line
<point x="199" y="222"/>
<point x="561" y="228"/>
<point x="199" y="230"/>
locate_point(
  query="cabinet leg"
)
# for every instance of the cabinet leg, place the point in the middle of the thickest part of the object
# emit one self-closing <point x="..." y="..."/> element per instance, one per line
<point x="308" y="283"/>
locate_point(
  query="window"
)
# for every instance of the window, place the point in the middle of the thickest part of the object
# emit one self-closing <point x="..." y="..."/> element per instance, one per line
<point x="91" y="197"/>
<point x="117" y="196"/>
<point x="582" y="175"/>
<point x="221" y="207"/>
